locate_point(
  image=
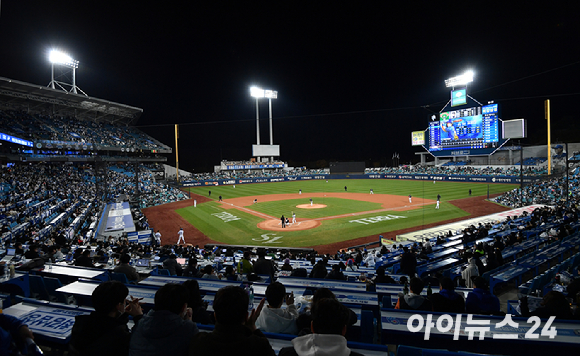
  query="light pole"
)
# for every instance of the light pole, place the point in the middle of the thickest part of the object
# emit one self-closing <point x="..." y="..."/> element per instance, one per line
<point x="62" y="59"/>
<point x="261" y="93"/>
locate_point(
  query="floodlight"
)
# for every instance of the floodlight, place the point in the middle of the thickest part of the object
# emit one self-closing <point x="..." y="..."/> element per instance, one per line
<point x="271" y="94"/>
<point x="257" y="92"/>
<point x="58" y="57"/>
<point x="459" y="80"/>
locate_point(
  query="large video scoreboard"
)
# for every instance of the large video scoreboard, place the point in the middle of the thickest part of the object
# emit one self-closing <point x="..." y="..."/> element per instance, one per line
<point x="475" y="128"/>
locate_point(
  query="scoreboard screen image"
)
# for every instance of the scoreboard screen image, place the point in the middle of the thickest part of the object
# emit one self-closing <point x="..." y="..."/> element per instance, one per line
<point x="471" y="128"/>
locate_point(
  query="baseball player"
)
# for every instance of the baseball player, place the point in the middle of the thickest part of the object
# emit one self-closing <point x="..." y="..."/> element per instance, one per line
<point x="283" y="220"/>
<point x="372" y="192"/>
<point x="310" y="201"/>
<point x="180" y="235"/>
<point x="438" y="199"/>
<point x="300" y="192"/>
<point x="410" y="198"/>
<point x="158" y="238"/>
<point x="293" y="218"/>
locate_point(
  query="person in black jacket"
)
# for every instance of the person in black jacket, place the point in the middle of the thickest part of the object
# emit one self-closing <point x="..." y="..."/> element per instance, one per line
<point x="553" y="304"/>
<point x="408" y="262"/>
<point x="235" y="332"/>
<point x="105" y="331"/>
<point x="336" y="273"/>
<point x="84" y="260"/>
<point x="319" y="269"/>
<point x="447" y="300"/>
<point x="198" y="307"/>
<point x="264" y="266"/>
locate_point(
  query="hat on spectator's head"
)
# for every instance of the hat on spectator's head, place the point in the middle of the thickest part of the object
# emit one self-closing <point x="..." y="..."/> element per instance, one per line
<point x="287" y="261"/>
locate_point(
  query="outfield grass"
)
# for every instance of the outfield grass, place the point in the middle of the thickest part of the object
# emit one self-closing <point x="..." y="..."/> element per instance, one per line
<point x="242" y="229"/>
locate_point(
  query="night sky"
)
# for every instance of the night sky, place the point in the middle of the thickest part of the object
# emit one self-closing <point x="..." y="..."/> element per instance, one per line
<point x="353" y="78"/>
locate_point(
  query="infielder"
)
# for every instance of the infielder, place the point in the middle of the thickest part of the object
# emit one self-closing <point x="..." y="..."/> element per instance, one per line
<point x="372" y="192"/>
<point x="180" y="235"/>
<point x="410" y="201"/>
<point x="438" y="199"/>
<point x="293" y="218"/>
<point x="300" y="192"/>
<point x="310" y="201"/>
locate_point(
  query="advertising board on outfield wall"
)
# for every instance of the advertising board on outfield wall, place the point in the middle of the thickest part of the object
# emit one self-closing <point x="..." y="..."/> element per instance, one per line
<point x="423" y="177"/>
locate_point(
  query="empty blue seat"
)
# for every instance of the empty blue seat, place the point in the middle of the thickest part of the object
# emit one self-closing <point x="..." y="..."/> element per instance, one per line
<point x="121" y="277"/>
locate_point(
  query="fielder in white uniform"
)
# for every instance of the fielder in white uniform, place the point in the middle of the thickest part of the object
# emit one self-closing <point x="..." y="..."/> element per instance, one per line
<point x="310" y="202"/>
<point x="180" y="234"/>
<point x="293" y="218"/>
<point x="158" y="238"/>
<point x="372" y="192"/>
<point x="410" y="201"/>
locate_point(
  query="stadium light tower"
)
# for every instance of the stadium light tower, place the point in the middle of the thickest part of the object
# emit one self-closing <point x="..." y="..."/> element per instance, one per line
<point x="64" y="60"/>
<point x="460" y="80"/>
<point x="270" y="94"/>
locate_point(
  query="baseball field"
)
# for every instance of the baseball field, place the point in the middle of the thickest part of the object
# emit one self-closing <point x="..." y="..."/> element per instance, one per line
<point x="250" y="214"/>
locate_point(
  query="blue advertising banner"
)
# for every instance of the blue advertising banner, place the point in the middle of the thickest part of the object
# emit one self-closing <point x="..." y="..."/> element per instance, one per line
<point x="446" y="178"/>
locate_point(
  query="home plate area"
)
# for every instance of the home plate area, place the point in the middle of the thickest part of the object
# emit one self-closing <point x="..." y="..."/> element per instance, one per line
<point x="276" y="225"/>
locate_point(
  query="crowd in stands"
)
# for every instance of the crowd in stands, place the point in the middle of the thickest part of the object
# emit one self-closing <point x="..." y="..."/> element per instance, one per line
<point x="459" y="170"/>
<point x="544" y="192"/>
<point x="171" y="326"/>
<point x="69" y="130"/>
<point x="242" y="174"/>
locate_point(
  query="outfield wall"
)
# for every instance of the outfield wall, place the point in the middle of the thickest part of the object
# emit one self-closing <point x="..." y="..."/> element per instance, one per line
<point x="424" y="177"/>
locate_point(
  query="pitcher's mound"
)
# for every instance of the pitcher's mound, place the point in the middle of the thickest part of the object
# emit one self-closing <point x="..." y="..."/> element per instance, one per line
<point x="313" y="206"/>
<point x="275" y="225"/>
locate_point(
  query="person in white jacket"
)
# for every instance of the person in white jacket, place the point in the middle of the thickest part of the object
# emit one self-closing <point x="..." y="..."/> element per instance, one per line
<point x="329" y="319"/>
<point x="274" y="318"/>
<point x="470" y="271"/>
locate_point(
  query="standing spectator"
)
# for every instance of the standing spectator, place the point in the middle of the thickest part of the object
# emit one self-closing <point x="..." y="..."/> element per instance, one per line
<point x="166" y="329"/>
<point x="105" y="331"/>
<point x="274" y="319"/>
<point x="245" y="265"/>
<point x="469" y="272"/>
<point x="264" y="266"/>
<point x="408" y="262"/>
<point x="127" y="269"/>
<point x="235" y="332"/>
<point x="329" y="321"/>
<point x="480" y="300"/>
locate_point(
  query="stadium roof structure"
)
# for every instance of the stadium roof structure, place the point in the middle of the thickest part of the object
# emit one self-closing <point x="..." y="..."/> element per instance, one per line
<point x="19" y="95"/>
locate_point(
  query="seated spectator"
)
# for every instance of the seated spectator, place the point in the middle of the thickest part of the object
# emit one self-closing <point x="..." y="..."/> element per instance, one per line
<point x="230" y="274"/>
<point x="447" y="300"/>
<point x="13" y="334"/>
<point x="245" y="265"/>
<point x="414" y="300"/>
<point x="209" y="273"/>
<point x="382" y="278"/>
<point x="235" y="331"/>
<point x="105" y="331"/>
<point x="286" y="266"/>
<point x="329" y="321"/>
<point x="199" y="313"/>
<point x="350" y="266"/>
<point x="336" y="273"/>
<point x="32" y="253"/>
<point x="19" y="249"/>
<point x="192" y="270"/>
<point x="304" y="320"/>
<point x="553" y="304"/>
<point x="274" y="319"/>
<point x="167" y="328"/>
<point x="84" y="260"/>
<point x="127" y="269"/>
<point x="172" y="265"/>
<point x="480" y="300"/>
<point x="319" y="269"/>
